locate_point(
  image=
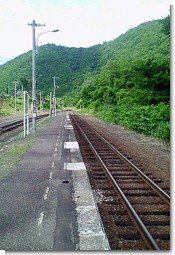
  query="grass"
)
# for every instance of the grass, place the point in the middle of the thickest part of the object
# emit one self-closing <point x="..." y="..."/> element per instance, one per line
<point x="9" y="105"/>
<point x="12" y="151"/>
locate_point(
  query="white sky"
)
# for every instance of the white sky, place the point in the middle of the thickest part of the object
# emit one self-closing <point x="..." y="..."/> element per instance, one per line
<point x="82" y="23"/>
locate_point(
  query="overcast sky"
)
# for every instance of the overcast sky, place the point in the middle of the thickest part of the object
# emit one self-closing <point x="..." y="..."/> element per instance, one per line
<point x="82" y="23"/>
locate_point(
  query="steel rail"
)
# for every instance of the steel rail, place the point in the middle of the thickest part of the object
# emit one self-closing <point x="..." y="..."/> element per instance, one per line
<point x="15" y="124"/>
<point x="147" y="237"/>
<point x="152" y="184"/>
<point x="7" y="127"/>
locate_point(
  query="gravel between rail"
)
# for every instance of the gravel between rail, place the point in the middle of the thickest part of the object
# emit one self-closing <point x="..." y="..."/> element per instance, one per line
<point x="149" y="152"/>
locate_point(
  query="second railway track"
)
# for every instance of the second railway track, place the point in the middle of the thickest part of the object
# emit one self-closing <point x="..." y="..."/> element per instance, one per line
<point x="134" y="206"/>
<point x="10" y="125"/>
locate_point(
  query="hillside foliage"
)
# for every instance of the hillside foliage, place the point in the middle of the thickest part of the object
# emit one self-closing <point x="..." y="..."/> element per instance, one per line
<point x="124" y="81"/>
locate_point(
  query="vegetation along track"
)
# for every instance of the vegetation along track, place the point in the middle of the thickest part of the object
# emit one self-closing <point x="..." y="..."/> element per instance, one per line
<point x="135" y="209"/>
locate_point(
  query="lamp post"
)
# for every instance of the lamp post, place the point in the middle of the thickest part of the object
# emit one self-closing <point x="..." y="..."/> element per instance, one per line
<point x="35" y="51"/>
<point x="54" y="99"/>
<point x="49" y="31"/>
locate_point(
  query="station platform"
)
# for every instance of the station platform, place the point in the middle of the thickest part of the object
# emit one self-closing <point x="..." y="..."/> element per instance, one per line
<point x="46" y="202"/>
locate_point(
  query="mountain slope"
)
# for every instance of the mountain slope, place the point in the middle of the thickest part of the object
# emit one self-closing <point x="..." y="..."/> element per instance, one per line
<point x="132" y="87"/>
<point x="69" y="64"/>
<point x="124" y="81"/>
<point x="74" y="65"/>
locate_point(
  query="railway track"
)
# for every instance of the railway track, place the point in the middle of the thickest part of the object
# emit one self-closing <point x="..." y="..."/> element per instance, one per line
<point x="134" y="206"/>
<point x="8" y="126"/>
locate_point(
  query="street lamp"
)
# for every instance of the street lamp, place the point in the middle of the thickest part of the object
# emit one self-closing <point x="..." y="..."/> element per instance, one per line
<point x="49" y="31"/>
<point x="34" y="105"/>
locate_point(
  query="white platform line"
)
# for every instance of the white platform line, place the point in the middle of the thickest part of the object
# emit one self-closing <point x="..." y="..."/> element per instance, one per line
<point x="46" y="193"/>
<point x="71" y="145"/>
<point x="41" y="217"/>
<point x="50" y="175"/>
<point x="75" y="166"/>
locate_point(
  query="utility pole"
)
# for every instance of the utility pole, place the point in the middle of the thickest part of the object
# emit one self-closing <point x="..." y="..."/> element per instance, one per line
<point x="15" y="97"/>
<point x="41" y="103"/>
<point x="54" y="98"/>
<point x="15" y="94"/>
<point x="50" y="104"/>
<point x="26" y="112"/>
<point x="34" y="103"/>
<point x="40" y="100"/>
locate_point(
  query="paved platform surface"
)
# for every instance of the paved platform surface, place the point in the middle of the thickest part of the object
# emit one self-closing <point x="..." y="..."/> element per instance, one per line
<point x="46" y="202"/>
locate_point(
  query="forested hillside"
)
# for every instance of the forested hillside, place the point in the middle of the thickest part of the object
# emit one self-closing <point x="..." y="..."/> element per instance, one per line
<point x="133" y="87"/>
<point x="69" y="64"/>
<point x="125" y="81"/>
